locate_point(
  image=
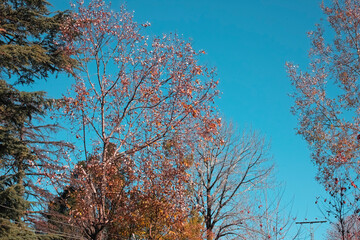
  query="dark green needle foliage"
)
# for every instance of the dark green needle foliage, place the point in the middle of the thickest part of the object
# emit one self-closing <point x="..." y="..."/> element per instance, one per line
<point x="16" y="111"/>
<point x="30" y="49"/>
<point x="29" y="40"/>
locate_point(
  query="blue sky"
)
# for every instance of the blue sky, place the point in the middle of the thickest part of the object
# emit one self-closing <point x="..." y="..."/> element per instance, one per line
<point x="249" y="43"/>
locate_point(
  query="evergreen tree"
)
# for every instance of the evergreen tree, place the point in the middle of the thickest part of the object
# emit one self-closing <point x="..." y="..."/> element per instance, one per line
<point x="16" y="110"/>
<point x="30" y="50"/>
<point x="29" y="40"/>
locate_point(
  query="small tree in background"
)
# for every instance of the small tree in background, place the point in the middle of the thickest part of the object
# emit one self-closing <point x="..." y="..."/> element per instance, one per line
<point x="270" y="218"/>
<point x="351" y="227"/>
<point x="340" y="208"/>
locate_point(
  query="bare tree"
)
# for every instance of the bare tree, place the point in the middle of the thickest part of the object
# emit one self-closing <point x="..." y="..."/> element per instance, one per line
<point x="271" y="217"/>
<point x="226" y="170"/>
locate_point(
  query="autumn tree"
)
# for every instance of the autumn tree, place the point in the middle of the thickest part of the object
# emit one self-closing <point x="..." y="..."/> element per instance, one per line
<point x="28" y="33"/>
<point x="327" y="94"/>
<point x="135" y="215"/>
<point x="226" y="171"/>
<point x="146" y="98"/>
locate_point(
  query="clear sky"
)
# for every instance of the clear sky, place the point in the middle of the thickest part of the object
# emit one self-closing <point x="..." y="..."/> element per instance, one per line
<point x="249" y="43"/>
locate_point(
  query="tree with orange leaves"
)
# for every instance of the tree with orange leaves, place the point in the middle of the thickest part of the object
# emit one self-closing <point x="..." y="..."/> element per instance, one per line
<point x="146" y="99"/>
<point x="327" y="101"/>
<point x="327" y="94"/>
